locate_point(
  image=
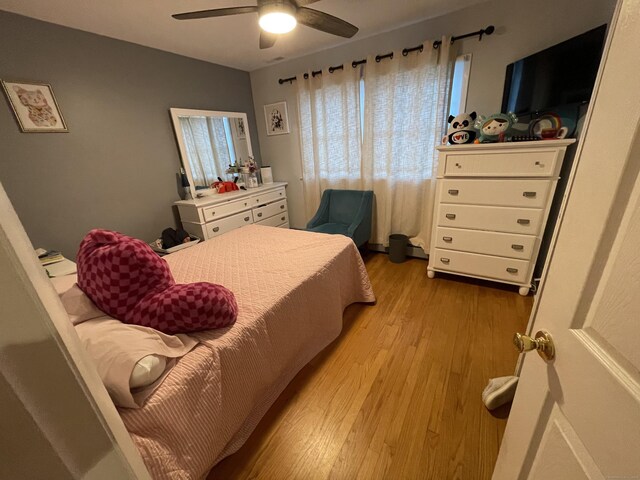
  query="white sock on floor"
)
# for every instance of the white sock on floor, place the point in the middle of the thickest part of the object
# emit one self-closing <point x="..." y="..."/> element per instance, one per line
<point x="499" y="391"/>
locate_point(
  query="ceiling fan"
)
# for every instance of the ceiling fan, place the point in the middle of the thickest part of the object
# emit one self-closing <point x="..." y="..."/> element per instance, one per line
<point x="280" y="16"/>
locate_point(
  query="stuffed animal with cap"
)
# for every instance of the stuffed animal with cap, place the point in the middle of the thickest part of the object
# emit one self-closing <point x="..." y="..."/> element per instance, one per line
<point x="494" y="127"/>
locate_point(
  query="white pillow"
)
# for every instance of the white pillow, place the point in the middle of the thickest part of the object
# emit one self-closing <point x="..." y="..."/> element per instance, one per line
<point x="79" y="307"/>
<point x="127" y="357"/>
<point x="147" y="371"/>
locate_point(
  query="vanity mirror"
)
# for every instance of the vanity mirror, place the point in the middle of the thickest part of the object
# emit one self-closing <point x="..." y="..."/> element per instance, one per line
<point x="210" y="141"/>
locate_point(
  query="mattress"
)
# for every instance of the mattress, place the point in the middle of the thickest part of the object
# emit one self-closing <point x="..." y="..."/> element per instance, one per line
<point x="292" y="288"/>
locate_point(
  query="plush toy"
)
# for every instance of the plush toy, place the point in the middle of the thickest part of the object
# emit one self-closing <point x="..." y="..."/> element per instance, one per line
<point x="128" y="281"/>
<point x="223" y="187"/>
<point x="494" y="127"/>
<point x="460" y="129"/>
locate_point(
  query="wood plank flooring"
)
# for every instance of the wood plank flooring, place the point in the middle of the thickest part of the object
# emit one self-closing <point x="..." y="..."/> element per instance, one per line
<point x="398" y="394"/>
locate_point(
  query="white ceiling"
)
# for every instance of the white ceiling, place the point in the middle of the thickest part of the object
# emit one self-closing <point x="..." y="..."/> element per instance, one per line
<point x="231" y="41"/>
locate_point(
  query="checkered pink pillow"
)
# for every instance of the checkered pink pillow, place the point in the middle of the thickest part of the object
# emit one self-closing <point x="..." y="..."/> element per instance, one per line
<point x="128" y="281"/>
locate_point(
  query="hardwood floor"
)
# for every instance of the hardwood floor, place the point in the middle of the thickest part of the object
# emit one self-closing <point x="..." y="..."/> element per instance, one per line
<point x="398" y="394"/>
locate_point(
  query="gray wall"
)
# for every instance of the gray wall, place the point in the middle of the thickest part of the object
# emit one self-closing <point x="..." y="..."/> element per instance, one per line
<point x="522" y="28"/>
<point x="116" y="168"/>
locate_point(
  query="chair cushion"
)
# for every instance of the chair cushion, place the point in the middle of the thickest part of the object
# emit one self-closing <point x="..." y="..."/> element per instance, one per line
<point x="331" y="228"/>
<point x="344" y="205"/>
<point x="128" y="281"/>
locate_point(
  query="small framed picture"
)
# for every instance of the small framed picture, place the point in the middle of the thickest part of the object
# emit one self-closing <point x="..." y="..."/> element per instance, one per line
<point x="276" y="117"/>
<point x="240" y="128"/>
<point x="34" y="106"/>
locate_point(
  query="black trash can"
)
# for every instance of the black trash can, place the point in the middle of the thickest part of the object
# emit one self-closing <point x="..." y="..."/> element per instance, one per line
<point x="398" y="247"/>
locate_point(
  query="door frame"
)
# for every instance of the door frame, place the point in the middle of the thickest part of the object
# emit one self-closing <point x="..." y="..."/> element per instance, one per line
<point x="33" y="316"/>
<point x="571" y="178"/>
<point x="597" y="199"/>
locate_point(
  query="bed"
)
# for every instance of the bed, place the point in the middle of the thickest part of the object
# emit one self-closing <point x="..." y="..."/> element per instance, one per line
<point x="292" y="288"/>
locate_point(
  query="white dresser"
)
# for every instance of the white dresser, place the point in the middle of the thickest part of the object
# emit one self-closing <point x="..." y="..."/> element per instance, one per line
<point x="492" y="206"/>
<point x="210" y="216"/>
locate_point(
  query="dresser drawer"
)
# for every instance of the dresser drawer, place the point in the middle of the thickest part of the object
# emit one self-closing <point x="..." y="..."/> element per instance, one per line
<point x="225" y="209"/>
<point x="507" y="193"/>
<point x="262" y="213"/>
<point x="268" y="197"/>
<point x="487" y="266"/>
<point x="226" y="224"/>
<point x="536" y="162"/>
<point x="489" y="243"/>
<point x="276" y="220"/>
<point x="499" y="219"/>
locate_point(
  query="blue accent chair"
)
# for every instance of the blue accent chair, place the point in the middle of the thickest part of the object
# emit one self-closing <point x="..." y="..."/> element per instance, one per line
<point x="347" y="212"/>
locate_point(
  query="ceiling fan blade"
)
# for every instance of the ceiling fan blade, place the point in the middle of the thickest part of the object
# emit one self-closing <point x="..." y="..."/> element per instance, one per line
<point x="325" y="22"/>
<point x="267" y="40"/>
<point x="216" y="12"/>
<point x="302" y="3"/>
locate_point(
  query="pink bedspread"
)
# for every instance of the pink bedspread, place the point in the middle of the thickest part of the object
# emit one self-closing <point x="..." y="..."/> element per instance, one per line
<point x="291" y="287"/>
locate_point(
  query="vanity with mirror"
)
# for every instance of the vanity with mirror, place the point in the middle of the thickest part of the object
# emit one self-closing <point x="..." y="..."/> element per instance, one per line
<point x="209" y="143"/>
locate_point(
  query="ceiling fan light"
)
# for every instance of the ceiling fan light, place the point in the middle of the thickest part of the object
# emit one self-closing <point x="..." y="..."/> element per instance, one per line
<point x="277" y="22"/>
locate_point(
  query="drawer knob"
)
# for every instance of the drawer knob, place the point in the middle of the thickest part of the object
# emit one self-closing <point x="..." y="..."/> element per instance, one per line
<point x="283" y="218"/>
<point x="458" y="165"/>
<point x="451" y="216"/>
<point x="260" y="214"/>
<point x="246" y="219"/>
<point x="216" y="229"/>
<point x="512" y="270"/>
<point x="447" y="239"/>
<point x="453" y="191"/>
<point x="281" y="207"/>
<point x="445" y="260"/>
<point x="529" y="194"/>
<point x="517" y="247"/>
<point x="524" y="221"/>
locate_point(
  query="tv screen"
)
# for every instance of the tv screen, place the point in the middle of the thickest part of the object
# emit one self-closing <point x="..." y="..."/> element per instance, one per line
<point x="560" y="75"/>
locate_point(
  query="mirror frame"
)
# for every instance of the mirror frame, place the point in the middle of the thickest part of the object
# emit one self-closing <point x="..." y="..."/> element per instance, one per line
<point x="176" y="113"/>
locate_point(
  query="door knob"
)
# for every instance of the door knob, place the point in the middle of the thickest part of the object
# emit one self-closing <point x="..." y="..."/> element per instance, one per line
<point x="542" y="343"/>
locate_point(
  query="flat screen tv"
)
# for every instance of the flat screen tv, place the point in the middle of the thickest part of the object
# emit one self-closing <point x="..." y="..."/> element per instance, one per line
<point x="560" y="75"/>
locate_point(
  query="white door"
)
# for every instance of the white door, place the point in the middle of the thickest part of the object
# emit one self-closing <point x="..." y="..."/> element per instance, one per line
<point x="578" y="416"/>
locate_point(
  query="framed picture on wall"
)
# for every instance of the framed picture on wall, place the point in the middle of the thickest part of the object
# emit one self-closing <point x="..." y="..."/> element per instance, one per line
<point x="34" y="106"/>
<point x="276" y="117"/>
<point x="240" y="128"/>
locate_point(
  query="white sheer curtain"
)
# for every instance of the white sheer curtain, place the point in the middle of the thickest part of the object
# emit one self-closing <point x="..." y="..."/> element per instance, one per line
<point x="406" y="107"/>
<point x="330" y="133"/>
<point x="406" y="102"/>
<point x="207" y="148"/>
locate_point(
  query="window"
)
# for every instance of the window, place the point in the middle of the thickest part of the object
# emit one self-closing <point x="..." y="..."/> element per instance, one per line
<point x="460" y="85"/>
<point x="230" y="143"/>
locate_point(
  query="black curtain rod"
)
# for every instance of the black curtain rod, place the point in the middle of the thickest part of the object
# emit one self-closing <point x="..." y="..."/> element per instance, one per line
<point x="406" y="51"/>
